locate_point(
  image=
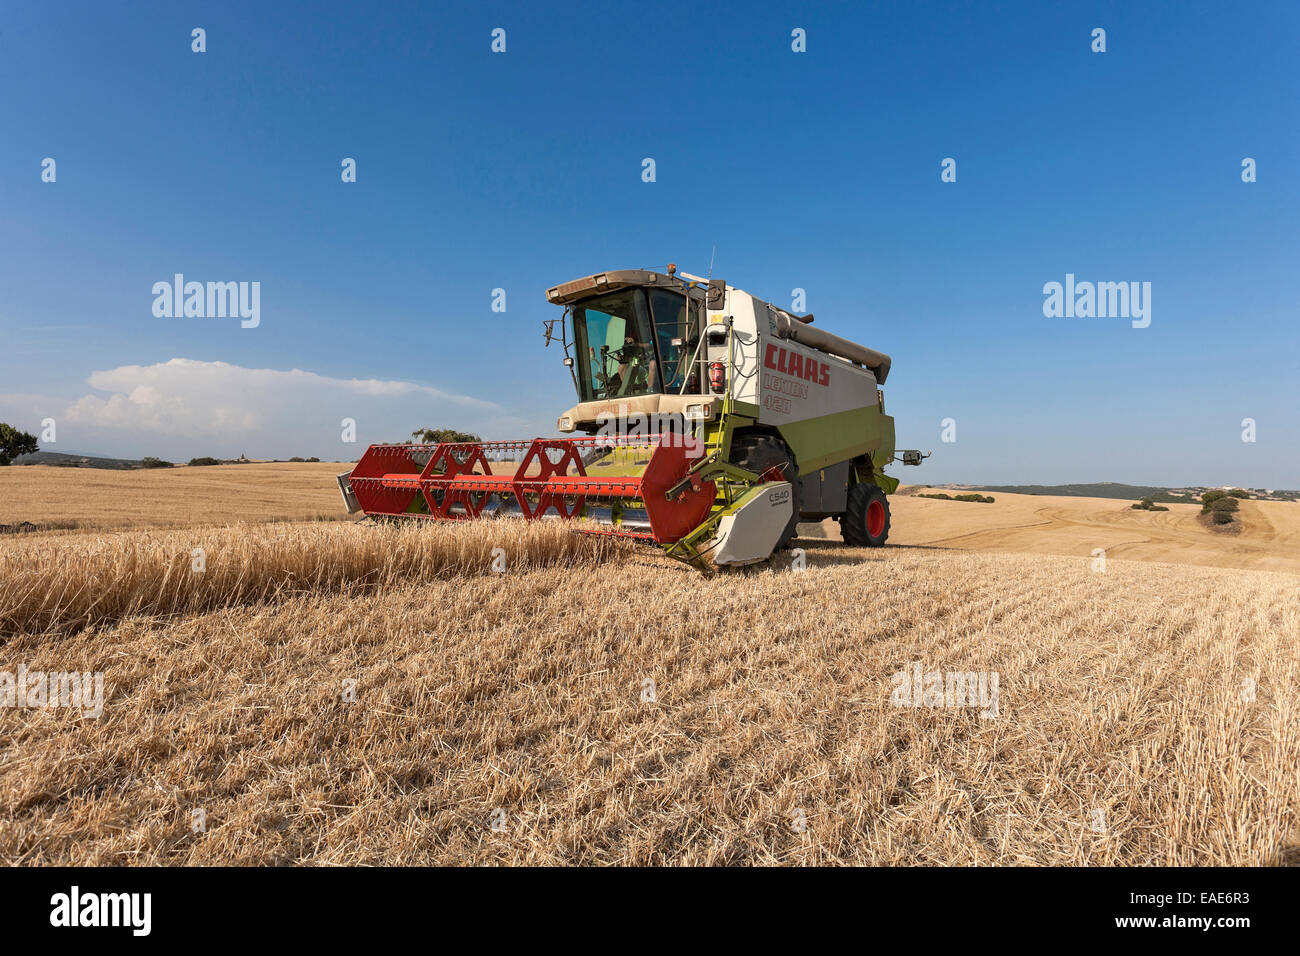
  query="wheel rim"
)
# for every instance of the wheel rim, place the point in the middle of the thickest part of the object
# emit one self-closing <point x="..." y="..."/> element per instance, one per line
<point x="875" y="519"/>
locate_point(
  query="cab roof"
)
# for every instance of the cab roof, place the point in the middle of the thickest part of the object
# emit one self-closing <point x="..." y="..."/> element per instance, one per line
<point x="602" y="282"/>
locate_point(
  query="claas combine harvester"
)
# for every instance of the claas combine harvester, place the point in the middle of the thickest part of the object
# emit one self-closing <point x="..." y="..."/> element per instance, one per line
<point x="713" y="423"/>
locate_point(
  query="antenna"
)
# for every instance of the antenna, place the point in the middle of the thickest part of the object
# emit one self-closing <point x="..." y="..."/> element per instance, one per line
<point x="711" y="255"/>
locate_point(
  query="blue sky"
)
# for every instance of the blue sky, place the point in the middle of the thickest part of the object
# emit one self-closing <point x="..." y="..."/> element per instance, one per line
<point x="816" y="170"/>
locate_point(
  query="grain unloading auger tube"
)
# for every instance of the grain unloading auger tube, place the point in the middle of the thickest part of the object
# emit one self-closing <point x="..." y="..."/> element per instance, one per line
<point x="659" y="488"/>
<point x="741" y="418"/>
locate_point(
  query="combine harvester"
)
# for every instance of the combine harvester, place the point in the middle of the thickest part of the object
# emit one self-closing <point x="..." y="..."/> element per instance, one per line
<point x="714" y="423"/>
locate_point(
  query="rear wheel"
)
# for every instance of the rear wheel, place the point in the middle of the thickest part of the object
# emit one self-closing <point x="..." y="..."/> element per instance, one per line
<point x="865" y="522"/>
<point x="768" y="454"/>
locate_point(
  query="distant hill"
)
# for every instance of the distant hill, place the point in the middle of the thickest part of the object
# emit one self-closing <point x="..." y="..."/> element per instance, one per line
<point x="59" y="459"/>
<point x="1101" y="489"/>
<point x="1115" y="489"/>
<point x="72" y="460"/>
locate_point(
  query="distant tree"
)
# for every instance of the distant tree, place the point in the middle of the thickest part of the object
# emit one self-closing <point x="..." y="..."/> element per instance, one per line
<point x="14" y="443"/>
<point x="296" y="458"/>
<point x="205" y="461"/>
<point x="432" y="436"/>
<point x="1239" y="493"/>
<point x="154" y="463"/>
<point x="1149" y="504"/>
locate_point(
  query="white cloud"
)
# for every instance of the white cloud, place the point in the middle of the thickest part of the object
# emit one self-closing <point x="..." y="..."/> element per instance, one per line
<point x="25" y="410"/>
<point x="186" y="407"/>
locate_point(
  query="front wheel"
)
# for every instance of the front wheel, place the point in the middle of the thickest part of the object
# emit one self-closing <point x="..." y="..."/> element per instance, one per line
<point x="865" y="522"/>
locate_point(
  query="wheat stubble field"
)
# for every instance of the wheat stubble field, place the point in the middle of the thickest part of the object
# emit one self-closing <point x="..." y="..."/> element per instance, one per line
<point x="96" y="499"/>
<point x="520" y="699"/>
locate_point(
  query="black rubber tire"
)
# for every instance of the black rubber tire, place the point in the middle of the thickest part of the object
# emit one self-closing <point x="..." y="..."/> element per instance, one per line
<point x="758" y="453"/>
<point x="862" y="515"/>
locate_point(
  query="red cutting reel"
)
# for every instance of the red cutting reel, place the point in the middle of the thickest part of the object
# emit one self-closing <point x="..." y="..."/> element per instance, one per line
<point x="625" y="489"/>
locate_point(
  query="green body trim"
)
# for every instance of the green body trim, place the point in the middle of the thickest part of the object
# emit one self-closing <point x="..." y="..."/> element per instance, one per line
<point x="886" y="483"/>
<point x="821" y="442"/>
<point x="620" y="462"/>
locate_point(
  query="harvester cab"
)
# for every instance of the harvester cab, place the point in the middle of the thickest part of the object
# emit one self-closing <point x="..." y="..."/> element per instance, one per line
<point x="711" y="423"/>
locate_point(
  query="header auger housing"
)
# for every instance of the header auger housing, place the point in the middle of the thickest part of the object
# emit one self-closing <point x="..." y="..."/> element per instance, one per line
<point x="712" y="423"/>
